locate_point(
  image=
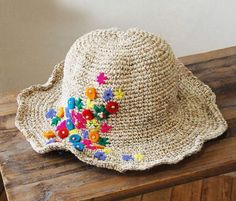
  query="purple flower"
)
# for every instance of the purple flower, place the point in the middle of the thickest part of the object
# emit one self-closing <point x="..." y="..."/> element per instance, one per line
<point x="50" y="114"/>
<point x="127" y="157"/>
<point x="85" y="134"/>
<point x="100" y="155"/>
<point x="50" y="141"/>
<point x="68" y="114"/>
<point x="107" y="95"/>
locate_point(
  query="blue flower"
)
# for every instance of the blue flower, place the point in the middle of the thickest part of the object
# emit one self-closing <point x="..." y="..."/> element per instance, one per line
<point x="127" y="157"/>
<point x="71" y="103"/>
<point x="74" y="138"/>
<point x="79" y="146"/>
<point x="68" y="114"/>
<point x="85" y="134"/>
<point x="100" y="155"/>
<point x="50" y="113"/>
<point x="107" y="95"/>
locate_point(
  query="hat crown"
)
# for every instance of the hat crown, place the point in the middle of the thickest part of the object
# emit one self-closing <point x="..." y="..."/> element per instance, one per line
<point x="139" y="63"/>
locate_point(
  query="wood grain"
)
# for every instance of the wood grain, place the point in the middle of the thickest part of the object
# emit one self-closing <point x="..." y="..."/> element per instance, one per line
<point x="60" y="176"/>
<point x="218" y="188"/>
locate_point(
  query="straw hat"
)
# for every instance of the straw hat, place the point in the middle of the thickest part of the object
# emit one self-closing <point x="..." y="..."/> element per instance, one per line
<point x="120" y="100"/>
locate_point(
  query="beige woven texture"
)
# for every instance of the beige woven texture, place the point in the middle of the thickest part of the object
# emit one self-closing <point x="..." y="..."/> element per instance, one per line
<point x="166" y="114"/>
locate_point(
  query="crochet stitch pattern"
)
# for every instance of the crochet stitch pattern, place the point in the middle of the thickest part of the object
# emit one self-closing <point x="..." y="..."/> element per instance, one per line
<point x="165" y="113"/>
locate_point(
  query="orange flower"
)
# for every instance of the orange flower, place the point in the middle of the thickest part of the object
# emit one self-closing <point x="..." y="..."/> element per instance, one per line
<point x="94" y="136"/>
<point x="49" y="134"/>
<point x="60" y="112"/>
<point x="91" y="93"/>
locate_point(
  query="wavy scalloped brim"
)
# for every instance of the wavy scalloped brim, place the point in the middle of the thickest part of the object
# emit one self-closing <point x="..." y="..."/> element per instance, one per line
<point x="198" y="117"/>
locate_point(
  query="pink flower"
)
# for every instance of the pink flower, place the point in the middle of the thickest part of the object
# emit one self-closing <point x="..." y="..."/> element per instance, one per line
<point x="78" y="120"/>
<point x="61" y="126"/>
<point x="101" y="78"/>
<point x="88" y="144"/>
<point x="105" y="128"/>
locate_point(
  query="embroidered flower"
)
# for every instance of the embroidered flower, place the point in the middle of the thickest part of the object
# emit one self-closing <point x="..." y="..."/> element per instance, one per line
<point x="101" y="78"/>
<point x="105" y="128"/>
<point x="107" y="150"/>
<point x="79" y="104"/>
<point x="138" y="157"/>
<point x="89" y="104"/>
<point x="100" y="155"/>
<point x="79" y="146"/>
<point x="94" y="136"/>
<point x="88" y="144"/>
<point x="55" y="121"/>
<point x="60" y="112"/>
<point x="49" y="134"/>
<point x="69" y="124"/>
<point x="74" y="138"/>
<point x="62" y="125"/>
<point x="51" y="140"/>
<point x="119" y="94"/>
<point x="100" y="112"/>
<point x="50" y="114"/>
<point x="71" y="103"/>
<point x="112" y="107"/>
<point x="103" y="141"/>
<point x="88" y="114"/>
<point x="78" y="120"/>
<point x="63" y="133"/>
<point x="127" y="157"/>
<point x="68" y="115"/>
<point x="85" y="134"/>
<point x="74" y="131"/>
<point x="107" y="95"/>
<point x="91" y="93"/>
<point x="93" y="124"/>
<point x="79" y="125"/>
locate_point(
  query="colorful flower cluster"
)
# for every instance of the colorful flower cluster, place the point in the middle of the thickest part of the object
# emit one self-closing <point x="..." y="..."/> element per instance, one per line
<point x="83" y="122"/>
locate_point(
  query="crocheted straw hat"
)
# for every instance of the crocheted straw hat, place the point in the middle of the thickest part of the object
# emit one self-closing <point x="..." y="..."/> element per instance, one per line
<point x="121" y="100"/>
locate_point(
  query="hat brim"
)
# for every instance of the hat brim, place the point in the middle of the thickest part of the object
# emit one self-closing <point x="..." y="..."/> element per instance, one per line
<point x="197" y="120"/>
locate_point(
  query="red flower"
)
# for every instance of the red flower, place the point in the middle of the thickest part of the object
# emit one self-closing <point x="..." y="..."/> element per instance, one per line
<point x="112" y="107"/>
<point x="87" y="114"/>
<point x="63" y="133"/>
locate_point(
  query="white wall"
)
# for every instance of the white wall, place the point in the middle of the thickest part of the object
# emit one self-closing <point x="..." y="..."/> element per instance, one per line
<point x="35" y="35"/>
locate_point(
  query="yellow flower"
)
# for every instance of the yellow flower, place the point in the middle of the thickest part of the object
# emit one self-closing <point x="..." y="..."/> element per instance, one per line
<point x="106" y="150"/>
<point x="89" y="104"/>
<point x="119" y="94"/>
<point x="93" y="124"/>
<point x="60" y="112"/>
<point x="74" y="131"/>
<point x="138" y="157"/>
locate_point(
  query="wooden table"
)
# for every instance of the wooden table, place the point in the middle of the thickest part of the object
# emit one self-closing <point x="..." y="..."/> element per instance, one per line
<point x="28" y="176"/>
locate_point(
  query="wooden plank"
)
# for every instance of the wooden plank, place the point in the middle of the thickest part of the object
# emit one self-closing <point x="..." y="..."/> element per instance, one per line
<point x="217" y="189"/>
<point x="162" y="195"/>
<point x="207" y="56"/>
<point x="233" y="192"/>
<point x="135" y="198"/>
<point x="61" y="176"/>
<point x="185" y="192"/>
